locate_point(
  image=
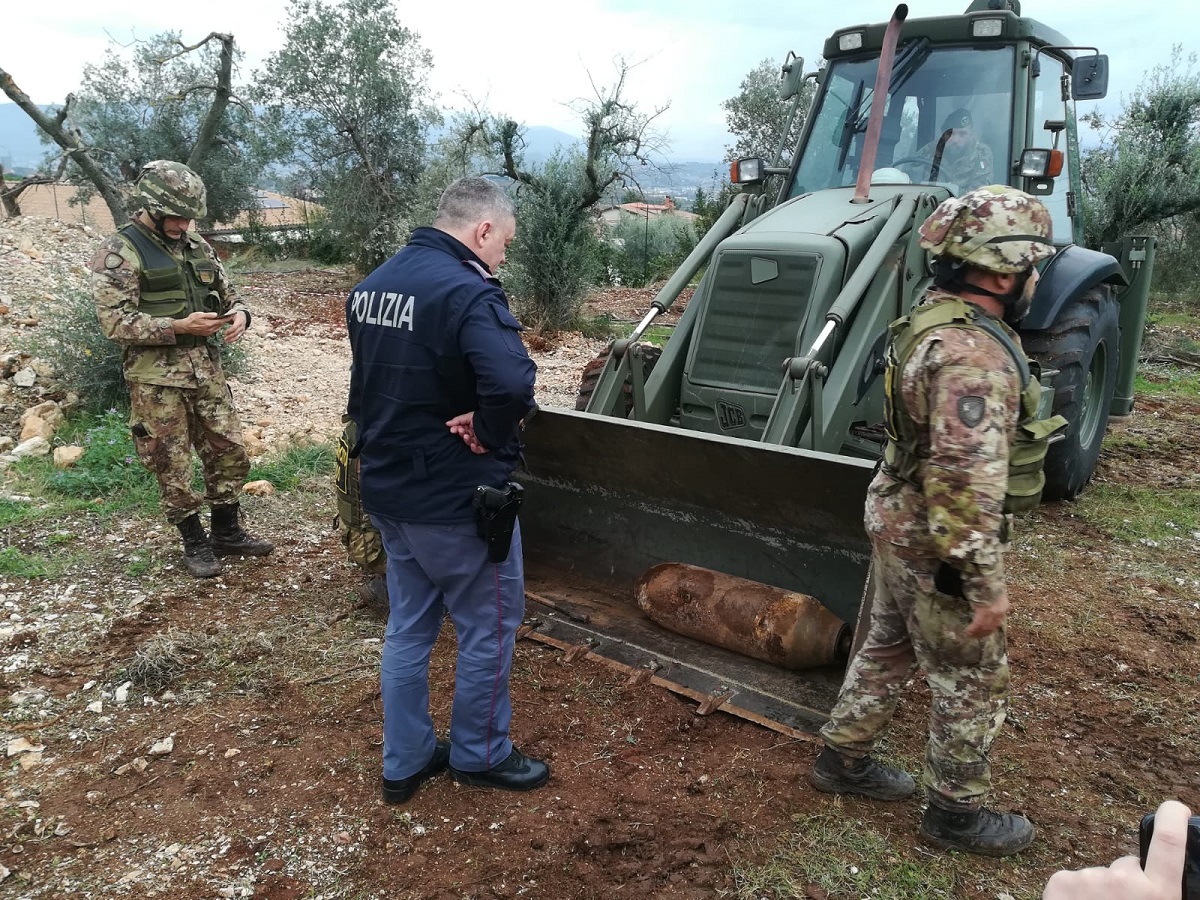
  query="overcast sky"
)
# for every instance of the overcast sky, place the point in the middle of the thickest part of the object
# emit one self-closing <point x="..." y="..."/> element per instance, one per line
<point x="528" y="61"/>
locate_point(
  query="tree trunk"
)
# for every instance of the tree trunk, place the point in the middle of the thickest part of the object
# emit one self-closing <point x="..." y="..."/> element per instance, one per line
<point x="216" y="112"/>
<point x="71" y="146"/>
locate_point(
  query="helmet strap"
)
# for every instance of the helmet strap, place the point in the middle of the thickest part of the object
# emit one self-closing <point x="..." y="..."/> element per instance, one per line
<point x="158" y="227"/>
<point x="951" y="275"/>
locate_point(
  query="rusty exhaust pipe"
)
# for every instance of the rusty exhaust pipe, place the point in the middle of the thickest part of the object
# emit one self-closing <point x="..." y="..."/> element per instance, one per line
<point x="862" y="188"/>
<point x="784" y="628"/>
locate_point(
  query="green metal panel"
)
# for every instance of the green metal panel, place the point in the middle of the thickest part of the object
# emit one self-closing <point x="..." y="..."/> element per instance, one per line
<point x="1136" y="255"/>
<point x="751" y="323"/>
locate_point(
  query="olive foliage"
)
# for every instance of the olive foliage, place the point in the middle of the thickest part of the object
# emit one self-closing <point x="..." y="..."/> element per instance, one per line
<point x="347" y="95"/>
<point x="1143" y="176"/>
<point x="758" y="118"/>
<point x="152" y="102"/>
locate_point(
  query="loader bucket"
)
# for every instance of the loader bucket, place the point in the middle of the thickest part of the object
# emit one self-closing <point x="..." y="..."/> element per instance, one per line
<point x="608" y="498"/>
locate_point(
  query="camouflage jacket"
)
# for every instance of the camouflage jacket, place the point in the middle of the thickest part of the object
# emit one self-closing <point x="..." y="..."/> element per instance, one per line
<point x="962" y="391"/>
<point x="151" y="354"/>
<point x="968" y="169"/>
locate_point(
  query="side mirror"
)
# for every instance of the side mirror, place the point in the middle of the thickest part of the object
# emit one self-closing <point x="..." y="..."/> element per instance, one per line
<point x="1089" y="78"/>
<point x="792" y="76"/>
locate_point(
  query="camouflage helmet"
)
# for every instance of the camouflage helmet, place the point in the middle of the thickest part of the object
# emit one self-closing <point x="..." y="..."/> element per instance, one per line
<point x="997" y="228"/>
<point x="171" y="189"/>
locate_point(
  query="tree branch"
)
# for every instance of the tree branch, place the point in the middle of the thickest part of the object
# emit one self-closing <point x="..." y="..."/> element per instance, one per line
<point x="216" y="112"/>
<point x="71" y="143"/>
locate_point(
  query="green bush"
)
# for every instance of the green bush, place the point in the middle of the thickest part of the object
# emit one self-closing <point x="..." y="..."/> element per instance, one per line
<point x="556" y="255"/>
<point x="643" y="250"/>
<point x="86" y="360"/>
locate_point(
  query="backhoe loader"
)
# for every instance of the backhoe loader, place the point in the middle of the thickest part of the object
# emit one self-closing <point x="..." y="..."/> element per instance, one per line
<point x="743" y="452"/>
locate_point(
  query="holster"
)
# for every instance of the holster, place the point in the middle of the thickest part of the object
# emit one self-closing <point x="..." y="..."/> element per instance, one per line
<point x="496" y="515"/>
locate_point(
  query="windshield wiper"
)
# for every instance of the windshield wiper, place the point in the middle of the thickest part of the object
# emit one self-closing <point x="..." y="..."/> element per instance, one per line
<point x="911" y="56"/>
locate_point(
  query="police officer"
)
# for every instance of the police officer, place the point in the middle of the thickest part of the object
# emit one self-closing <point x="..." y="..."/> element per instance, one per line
<point x="161" y="293"/>
<point x="958" y="156"/>
<point x="439" y="384"/>
<point x="964" y="449"/>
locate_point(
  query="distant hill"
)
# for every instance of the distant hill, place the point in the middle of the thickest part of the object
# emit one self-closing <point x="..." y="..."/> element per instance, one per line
<point x="20" y="147"/>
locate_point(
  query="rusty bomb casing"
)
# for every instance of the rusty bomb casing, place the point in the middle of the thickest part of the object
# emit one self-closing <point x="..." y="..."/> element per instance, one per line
<point x="785" y="628"/>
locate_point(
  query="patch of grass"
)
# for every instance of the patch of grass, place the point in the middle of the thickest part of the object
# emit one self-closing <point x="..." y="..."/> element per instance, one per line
<point x="16" y="564"/>
<point x="658" y="334"/>
<point x="138" y="566"/>
<point x="1167" y="381"/>
<point x="14" y="513"/>
<point x="602" y="327"/>
<point x="109" y="468"/>
<point x="1139" y="514"/>
<point x="845" y="858"/>
<point x="256" y="259"/>
<point x="606" y="328"/>
<point x="294" y="466"/>
<point x="160" y="661"/>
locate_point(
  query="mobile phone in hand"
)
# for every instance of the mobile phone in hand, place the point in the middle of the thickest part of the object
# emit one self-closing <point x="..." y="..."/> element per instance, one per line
<point x="1191" y="861"/>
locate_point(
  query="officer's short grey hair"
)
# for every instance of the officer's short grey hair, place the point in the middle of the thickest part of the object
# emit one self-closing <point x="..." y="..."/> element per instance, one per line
<point x="472" y="200"/>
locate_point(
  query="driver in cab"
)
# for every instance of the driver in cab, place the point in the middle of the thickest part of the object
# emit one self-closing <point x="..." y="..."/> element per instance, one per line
<point x="958" y="156"/>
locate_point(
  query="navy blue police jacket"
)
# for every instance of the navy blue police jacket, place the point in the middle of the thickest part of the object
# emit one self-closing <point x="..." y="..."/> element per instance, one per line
<point x="431" y="337"/>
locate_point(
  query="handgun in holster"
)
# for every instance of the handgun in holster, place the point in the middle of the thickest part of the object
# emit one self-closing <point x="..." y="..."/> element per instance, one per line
<point x="496" y="515"/>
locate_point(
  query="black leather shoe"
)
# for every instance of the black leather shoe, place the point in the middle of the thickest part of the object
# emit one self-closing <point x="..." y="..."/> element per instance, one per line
<point x="517" y="773"/>
<point x="400" y="790"/>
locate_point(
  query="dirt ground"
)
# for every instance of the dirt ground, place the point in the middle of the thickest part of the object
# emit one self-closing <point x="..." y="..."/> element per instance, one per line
<point x="221" y="738"/>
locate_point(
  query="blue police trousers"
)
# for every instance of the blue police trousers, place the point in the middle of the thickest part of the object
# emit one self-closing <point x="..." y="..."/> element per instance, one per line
<point x="432" y="570"/>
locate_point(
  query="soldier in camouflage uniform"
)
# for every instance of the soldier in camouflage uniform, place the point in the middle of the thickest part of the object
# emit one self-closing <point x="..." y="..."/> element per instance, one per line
<point x="958" y="156"/>
<point x="957" y="461"/>
<point x="364" y="546"/>
<point x="161" y="293"/>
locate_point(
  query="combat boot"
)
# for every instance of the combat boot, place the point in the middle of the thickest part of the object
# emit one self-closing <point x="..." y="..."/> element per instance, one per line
<point x="197" y="551"/>
<point x="374" y="594"/>
<point x="976" y="831"/>
<point x="228" y="537"/>
<point x="835" y="774"/>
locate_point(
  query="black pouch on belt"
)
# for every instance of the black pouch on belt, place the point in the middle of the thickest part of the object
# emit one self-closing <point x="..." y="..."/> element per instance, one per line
<point x="496" y="514"/>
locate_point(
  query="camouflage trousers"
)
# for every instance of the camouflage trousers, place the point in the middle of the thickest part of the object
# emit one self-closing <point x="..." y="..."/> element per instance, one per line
<point x="363" y="545"/>
<point x="167" y="422"/>
<point x="914" y="625"/>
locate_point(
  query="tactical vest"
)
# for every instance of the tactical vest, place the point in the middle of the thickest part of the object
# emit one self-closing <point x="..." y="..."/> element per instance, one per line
<point x="1027" y="453"/>
<point x="346" y="485"/>
<point x="172" y="289"/>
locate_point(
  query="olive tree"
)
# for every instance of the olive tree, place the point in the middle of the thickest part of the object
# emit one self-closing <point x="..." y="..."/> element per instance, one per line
<point x="1144" y="174"/>
<point x="555" y="200"/>
<point x="348" y="95"/>
<point x="159" y="99"/>
<point x="758" y="118"/>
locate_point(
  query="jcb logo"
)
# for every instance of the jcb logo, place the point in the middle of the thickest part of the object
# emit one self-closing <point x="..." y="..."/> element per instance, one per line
<point x="730" y="417"/>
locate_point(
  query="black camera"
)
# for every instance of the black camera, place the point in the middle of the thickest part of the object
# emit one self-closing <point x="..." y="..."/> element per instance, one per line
<point x="1191" y="861"/>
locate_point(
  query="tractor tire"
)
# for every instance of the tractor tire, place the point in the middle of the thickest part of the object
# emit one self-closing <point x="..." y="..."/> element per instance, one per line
<point x="1084" y="345"/>
<point x="591" y="375"/>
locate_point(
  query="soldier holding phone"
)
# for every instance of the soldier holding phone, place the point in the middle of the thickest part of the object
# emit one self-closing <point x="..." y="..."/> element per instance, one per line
<point x="161" y="292"/>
